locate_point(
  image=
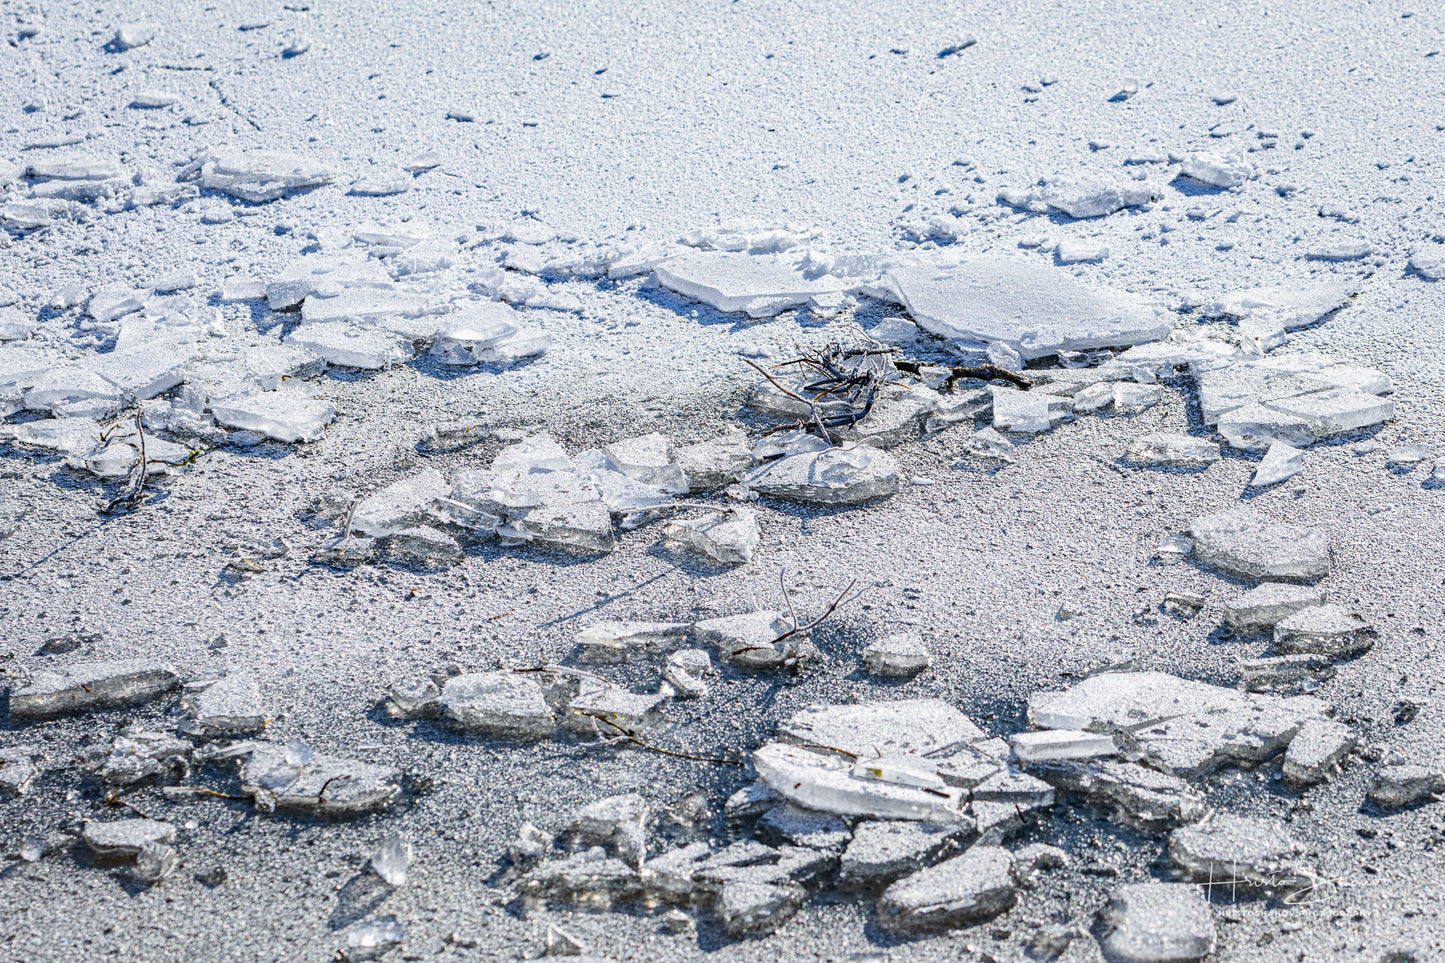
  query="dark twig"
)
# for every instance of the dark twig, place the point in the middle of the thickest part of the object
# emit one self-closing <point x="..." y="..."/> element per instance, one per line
<point x="134" y="489"/>
<point x="630" y="737"/>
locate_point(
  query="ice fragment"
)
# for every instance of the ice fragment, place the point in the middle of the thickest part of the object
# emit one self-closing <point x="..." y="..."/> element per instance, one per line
<point x="284" y="415"/>
<point x="1268" y="604"/>
<point x="123" y="838"/>
<point x="91" y="685"/>
<point x="968" y="888"/>
<point x="499" y="704"/>
<point x="1327" y="630"/>
<point x="726" y="538"/>
<point x="901" y="655"/>
<point x="1318" y="751"/>
<point x="1036" y="310"/>
<point x="229" y="706"/>
<point x="1159" y="923"/>
<point x="1243" y="542"/>
<point x="1173" y="450"/>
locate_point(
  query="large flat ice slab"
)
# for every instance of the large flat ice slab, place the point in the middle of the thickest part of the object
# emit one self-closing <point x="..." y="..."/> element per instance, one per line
<point x="760" y="284"/>
<point x="1035" y="310"/>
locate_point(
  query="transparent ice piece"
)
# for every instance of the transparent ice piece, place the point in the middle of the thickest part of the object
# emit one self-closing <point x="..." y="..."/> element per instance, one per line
<point x="616" y="642"/>
<point x="617" y="823"/>
<point x="684" y="671"/>
<point x="826" y="784"/>
<point x="835" y="476"/>
<point x="1280" y="463"/>
<point x="284" y="415"/>
<point x="1270" y="603"/>
<point x="1240" y="851"/>
<point x="374" y="938"/>
<point x="498" y="704"/>
<point x="425" y="547"/>
<point x="1318" y="751"/>
<point x="1199" y="727"/>
<point x="914" y="727"/>
<point x="711" y="465"/>
<point x="748" y="640"/>
<point x="1244" y="542"/>
<point x="1131" y="398"/>
<point x="400" y="504"/>
<point x="293" y="777"/>
<point x="882" y="851"/>
<point x="391" y="859"/>
<point x="724" y="538"/>
<point x="1284" y="671"/>
<point x="537" y="453"/>
<point x="900" y="655"/>
<point x="91" y="685"/>
<point x="1404" y="785"/>
<point x="229" y="706"/>
<point x="1175" y="450"/>
<point x="1329" y="630"/>
<point x="123" y="838"/>
<point x="256" y="176"/>
<point x="1028" y="412"/>
<point x="1053" y="745"/>
<point x="760" y="284"/>
<point x="1036" y="310"/>
<point x="350" y="345"/>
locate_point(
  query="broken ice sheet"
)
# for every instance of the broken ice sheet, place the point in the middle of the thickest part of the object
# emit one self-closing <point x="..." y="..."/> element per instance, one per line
<point x="1028" y="412"/>
<point x="715" y="464"/>
<point x="1292" y="306"/>
<point x="1159" y="923"/>
<point x="723" y="538"/>
<point x="1270" y="603"/>
<point x="293" y="777"/>
<point x="834" y="476"/>
<point x="285" y="415"/>
<point x="684" y="671"/>
<point x="906" y="727"/>
<point x="1173" y="450"/>
<point x="401" y="504"/>
<point x="749" y="640"/>
<point x="762" y="285"/>
<point x="1404" y="785"/>
<point x="373" y="939"/>
<point x="1141" y="797"/>
<point x="1284" y="671"/>
<point x="425" y="547"/>
<point x="988" y="443"/>
<point x="1244" y="542"/>
<point x="137" y="755"/>
<point x="91" y="685"/>
<point x="649" y="460"/>
<point x="1035" y="310"/>
<point x="605" y="709"/>
<point x="882" y="851"/>
<point x="350" y="345"/>
<point x="755" y="909"/>
<point x="1227" y="170"/>
<point x="1317" y="752"/>
<point x="617" y="823"/>
<point x="255" y="176"/>
<point x="1189" y="728"/>
<point x="18" y="769"/>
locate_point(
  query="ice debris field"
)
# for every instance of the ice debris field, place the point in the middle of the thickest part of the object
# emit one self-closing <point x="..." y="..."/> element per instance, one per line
<point x="1032" y="557"/>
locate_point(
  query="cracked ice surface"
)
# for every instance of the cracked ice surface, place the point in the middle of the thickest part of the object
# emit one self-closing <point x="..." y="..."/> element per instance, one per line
<point x="1186" y="727"/>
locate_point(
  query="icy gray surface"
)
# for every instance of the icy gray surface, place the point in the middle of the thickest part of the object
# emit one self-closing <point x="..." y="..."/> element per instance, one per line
<point x="1322" y="119"/>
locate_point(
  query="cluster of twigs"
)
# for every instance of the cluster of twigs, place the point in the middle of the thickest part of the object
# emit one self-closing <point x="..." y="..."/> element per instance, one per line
<point x="846" y="381"/>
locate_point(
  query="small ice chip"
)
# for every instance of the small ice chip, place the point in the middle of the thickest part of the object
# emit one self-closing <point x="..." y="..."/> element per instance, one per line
<point x="391" y="859"/>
